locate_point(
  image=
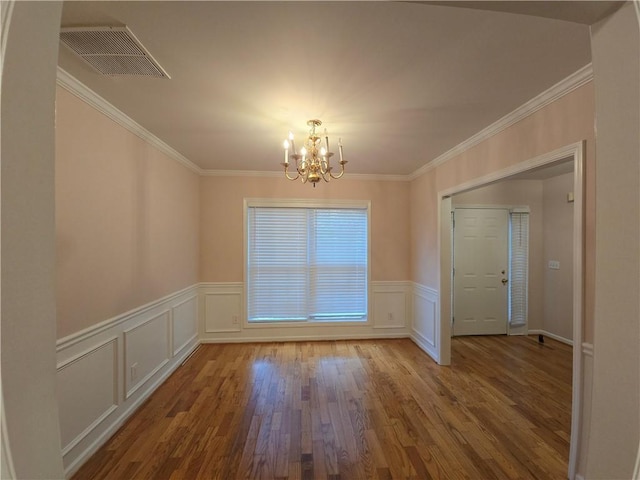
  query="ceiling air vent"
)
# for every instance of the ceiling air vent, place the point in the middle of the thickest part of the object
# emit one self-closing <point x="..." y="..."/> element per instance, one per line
<point x="112" y="51"/>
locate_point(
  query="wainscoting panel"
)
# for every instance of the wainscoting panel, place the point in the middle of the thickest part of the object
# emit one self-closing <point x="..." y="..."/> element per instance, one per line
<point x="222" y="303"/>
<point x="146" y="350"/>
<point x="97" y="387"/>
<point x="185" y="323"/>
<point x="426" y="324"/>
<point x="223" y="310"/>
<point x="96" y="370"/>
<point x="391" y="304"/>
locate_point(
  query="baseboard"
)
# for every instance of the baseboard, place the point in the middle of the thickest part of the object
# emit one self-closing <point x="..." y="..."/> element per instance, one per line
<point x="551" y="335"/>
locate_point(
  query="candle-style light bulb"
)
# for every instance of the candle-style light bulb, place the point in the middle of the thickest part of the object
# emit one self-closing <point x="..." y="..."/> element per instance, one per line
<point x="326" y="139"/>
<point x="293" y="145"/>
<point x="340" y="147"/>
<point x="286" y="151"/>
<point x="303" y="152"/>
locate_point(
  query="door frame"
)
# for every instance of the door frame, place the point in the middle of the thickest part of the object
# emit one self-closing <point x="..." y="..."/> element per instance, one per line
<point x="575" y="152"/>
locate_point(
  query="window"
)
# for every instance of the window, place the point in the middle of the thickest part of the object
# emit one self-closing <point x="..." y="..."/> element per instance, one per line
<point x="306" y="263"/>
<point x="518" y="268"/>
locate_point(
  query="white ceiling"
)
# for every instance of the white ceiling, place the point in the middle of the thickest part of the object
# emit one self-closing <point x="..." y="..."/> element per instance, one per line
<point x="401" y="83"/>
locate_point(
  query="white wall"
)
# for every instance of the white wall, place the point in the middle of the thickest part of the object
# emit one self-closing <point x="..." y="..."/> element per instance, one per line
<point x="615" y="411"/>
<point x="28" y="246"/>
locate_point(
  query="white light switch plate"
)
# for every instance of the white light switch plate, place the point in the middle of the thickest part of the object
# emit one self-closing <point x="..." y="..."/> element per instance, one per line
<point x="554" y="265"/>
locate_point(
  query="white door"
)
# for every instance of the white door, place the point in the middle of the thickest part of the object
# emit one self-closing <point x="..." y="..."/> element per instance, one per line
<point x="481" y="265"/>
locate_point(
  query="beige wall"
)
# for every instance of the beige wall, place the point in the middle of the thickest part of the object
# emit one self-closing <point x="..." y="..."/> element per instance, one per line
<point x="28" y="242"/>
<point x="519" y="193"/>
<point x="221" y="214"/>
<point x="614" y="433"/>
<point x="127" y="219"/>
<point x="558" y="246"/>
<point x="563" y="122"/>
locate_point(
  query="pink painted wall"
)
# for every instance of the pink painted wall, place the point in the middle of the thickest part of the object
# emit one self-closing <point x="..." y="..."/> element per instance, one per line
<point x="126" y="219"/>
<point x="565" y="121"/>
<point x="221" y="220"/>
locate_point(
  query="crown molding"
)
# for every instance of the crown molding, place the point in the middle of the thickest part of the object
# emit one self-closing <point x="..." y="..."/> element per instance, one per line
<point x="557" y="91"/>
<point x="74" y="86"/>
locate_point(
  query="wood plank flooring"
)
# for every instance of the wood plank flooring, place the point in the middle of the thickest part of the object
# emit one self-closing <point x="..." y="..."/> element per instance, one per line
<point x="352" y="409"/>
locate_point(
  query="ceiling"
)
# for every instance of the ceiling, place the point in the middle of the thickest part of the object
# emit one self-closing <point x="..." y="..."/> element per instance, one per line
<point x="401" y="83"/>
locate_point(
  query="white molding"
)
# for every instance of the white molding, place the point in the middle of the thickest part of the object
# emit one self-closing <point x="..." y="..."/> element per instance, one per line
<point x="193" y="298"/>
<point x="587" y="349"/>
<point x="77" y="88"/>
<point x="390" y="286"/>
<point x="87" y="351"/>
<point x="424" y="290"/>
<point x="546" y="333"/>
<point x="571" y="151"/>
<point x="74" y="338"/>
<point x="166" y="315"/>
<point x="431" y="295"/>
<point x="425" y="345"/>
<point x="115" y="400"/>
<point x="557" y="91"/>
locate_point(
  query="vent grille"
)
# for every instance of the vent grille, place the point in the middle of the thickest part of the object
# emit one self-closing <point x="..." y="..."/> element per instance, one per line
<point x="112" y="51"/>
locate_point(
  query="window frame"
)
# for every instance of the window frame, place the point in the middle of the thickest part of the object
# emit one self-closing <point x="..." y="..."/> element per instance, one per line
<point x="303" y="203"/>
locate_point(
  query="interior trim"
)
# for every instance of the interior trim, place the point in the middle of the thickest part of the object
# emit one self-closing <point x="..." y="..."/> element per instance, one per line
<point x="77" y="88"/>
<point x="559" y="90"/>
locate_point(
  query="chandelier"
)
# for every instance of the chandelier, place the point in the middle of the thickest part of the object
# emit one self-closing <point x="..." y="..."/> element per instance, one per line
<point x="314" y="160"/>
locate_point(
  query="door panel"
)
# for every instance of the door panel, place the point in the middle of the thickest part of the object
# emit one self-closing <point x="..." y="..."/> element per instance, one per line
<point x="481" y="256"/>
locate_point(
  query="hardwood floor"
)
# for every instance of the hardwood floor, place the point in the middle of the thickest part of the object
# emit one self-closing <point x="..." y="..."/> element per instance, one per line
<point x="352" y="409"/>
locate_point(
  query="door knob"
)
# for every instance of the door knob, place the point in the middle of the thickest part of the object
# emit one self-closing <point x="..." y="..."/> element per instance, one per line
<point x="504" y="281"/>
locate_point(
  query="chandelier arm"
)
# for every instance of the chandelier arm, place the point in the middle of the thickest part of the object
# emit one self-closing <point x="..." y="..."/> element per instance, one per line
<point x="286" y="172"/>
<point x="341" y="171"/>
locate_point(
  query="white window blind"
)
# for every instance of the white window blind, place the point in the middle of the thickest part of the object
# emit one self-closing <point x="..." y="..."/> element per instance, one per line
<point x="519" y="265"/>
<point x="307" y="264"/>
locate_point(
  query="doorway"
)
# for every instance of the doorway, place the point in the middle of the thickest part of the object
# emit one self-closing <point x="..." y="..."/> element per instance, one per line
<point x="480" y="265"/>
<point x="573" y="152"/>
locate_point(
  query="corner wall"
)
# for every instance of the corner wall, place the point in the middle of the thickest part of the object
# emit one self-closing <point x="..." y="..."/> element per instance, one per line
<point x="127" y="219"/>
<point x="614" y="433"/>
<point x="28" y="301"/>
<point x="127" y="245"/>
